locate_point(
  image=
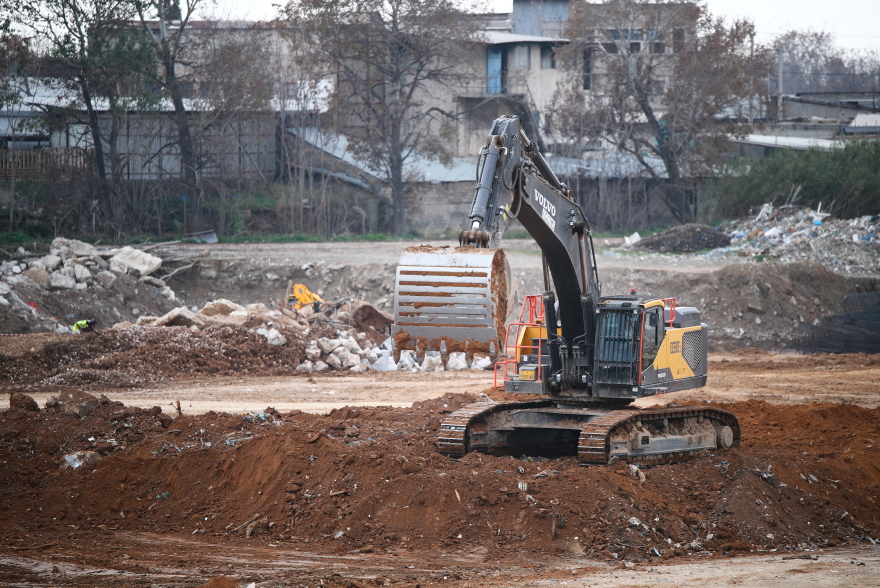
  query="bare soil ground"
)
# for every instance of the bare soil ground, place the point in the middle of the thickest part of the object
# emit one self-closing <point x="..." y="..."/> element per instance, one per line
<point x="358" y="496"/>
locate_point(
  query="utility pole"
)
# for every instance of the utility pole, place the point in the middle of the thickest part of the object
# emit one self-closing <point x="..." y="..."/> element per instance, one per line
<point x="779" y="84"/>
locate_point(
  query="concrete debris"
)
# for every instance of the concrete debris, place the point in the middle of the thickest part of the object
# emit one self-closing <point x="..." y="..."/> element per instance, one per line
<point x="220" y="307"/>
<point x="457" y="361"/>
<point x="273" y="337"/>
<point x="130" y="260"/>
<point x="59" y="281"/>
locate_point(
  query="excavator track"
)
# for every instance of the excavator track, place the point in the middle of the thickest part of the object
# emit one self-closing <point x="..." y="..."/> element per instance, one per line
<point x="453" y="437"/>
<point x="602" y="432"/>
<point x="629" y="434"/>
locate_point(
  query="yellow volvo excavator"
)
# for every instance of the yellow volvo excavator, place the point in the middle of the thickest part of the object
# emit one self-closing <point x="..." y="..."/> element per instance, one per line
<point x="579" y="357"/>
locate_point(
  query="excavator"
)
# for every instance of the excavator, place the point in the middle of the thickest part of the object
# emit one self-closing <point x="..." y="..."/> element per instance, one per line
<point x="579" y="358"/>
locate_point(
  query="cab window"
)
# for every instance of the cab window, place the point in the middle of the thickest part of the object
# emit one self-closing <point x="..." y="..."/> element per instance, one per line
<point x="653" y="334"/>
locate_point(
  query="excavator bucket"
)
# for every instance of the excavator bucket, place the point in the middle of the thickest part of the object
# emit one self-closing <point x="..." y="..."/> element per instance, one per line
<point x="450" y="299"/>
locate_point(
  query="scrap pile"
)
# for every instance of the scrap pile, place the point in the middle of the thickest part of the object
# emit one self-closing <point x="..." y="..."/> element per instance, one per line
<point x="795" y="233"/>
<point x="857" y="330"/>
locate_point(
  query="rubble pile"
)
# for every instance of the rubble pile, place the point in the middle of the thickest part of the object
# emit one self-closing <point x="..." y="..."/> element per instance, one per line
<point x="38" y="293"/>
<point x="795" y="233"/>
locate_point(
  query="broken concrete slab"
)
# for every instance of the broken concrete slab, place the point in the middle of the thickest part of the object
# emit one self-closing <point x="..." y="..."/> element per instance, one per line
<point x="131" y="260"/>
<point x="220" y="307"/>
<point x="60" y="281"/>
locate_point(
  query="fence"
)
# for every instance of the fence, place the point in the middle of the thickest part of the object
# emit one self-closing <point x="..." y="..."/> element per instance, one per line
<point x="34" y="163"/>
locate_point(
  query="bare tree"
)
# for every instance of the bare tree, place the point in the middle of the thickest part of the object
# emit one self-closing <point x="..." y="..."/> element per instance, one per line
<point x="813" y="62"/>
<point x="388" y="58"/>
<point x="92" y="51"/>
<point x="167" y="24"/>
<point x="655" y="80"/>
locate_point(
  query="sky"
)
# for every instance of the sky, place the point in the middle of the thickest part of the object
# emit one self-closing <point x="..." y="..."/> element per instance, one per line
<point x="855" y="24"/>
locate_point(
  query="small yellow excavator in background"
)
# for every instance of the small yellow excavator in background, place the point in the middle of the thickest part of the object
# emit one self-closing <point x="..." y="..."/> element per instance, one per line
<point x="582" y="357"/>
<point x="298" y="296"/>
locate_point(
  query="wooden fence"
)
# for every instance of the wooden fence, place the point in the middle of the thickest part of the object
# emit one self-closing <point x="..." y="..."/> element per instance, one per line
<point x="36" y="163"/>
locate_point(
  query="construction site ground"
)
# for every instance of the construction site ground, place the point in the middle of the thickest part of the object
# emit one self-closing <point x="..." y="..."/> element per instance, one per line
<point x="332" y="479"/>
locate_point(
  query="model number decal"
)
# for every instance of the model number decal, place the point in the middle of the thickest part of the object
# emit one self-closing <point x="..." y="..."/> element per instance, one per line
<point x="548" y="210"/>
<point x="675" y="347"/>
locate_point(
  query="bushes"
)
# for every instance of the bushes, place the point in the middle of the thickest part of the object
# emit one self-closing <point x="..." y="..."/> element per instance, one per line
<point x="846" y="181"/>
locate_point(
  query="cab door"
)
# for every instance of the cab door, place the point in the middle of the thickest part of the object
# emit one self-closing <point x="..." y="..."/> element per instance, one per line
<point x="652" y="346"/>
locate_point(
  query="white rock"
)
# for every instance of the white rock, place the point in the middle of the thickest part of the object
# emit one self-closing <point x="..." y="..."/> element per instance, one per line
<point x="220" y="307"/>
<point x="50" y="262"/>
<point x="168" y="293"/>
<point x="129" y="259"/>
<point x="334" y="362"/>
<point x="360" y="367"/>
<point x="457" y="361"/>
<point x="82" y="274"/>
<point x="73" y="247"/>
<point x="371" y="356"/>
<point x="80" y="286"/>
<point x="16" y="269"/>
<point x="634" y="522"/>
<point x="313" y="353"/>
<point x="482" y="363"/>
<point x="407" y="360"/>
<point x="353" y="360"/>
<point x="342" y="353"/>
<point x="4" y="289"/>
<point x="59" y="281"/>
<point x="273" y="337"/>
<point x="352" y="345"/>
<point x="257" y="308"/>
<point x="305" y="366"/>
<point x="385" y="364"/>
<point x="432" y="363"/>
<point x="327" y="345"/>
<point x="106" y="279"/>
<point x="3" y="301"/>
<point x="320" y="366"/>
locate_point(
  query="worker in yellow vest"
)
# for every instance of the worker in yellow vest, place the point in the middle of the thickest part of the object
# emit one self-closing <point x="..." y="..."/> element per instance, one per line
<point x="84" y="326"/>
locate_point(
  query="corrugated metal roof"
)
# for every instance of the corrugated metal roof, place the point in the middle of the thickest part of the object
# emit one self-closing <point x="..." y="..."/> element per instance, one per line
<point x="801" y="143"/>
<point x="863" y="119"/>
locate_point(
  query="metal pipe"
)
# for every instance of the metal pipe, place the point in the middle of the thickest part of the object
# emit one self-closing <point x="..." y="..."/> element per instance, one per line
<point x="585" y="279"/>
<point x="546" y="273"/>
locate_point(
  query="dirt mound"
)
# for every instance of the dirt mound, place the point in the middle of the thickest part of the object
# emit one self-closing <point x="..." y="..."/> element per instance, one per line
<point x="371" y="479"/>
<point x="137" y="356"/>
<point x="685" y="239"/>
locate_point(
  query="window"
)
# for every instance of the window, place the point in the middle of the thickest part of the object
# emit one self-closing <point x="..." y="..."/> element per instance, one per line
<point x="548" y="57"/>
<point x="677" y="40"/>
<point x="609" y="47"/>
<point x="519" y="57"/>
<point x="635" y="47"/>
<point x="588" y="70"/>
<point x="652" y="336"/>
<point x="658" y="48"/>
